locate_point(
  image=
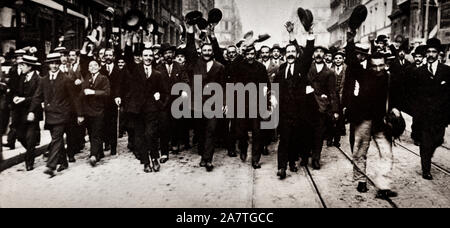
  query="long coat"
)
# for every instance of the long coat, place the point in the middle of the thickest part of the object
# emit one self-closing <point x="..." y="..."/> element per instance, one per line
<point x="27" y="91"/>
<point x="324" y="83"/>
<point x="178" y="75"/>
<point x="94" y="105"/>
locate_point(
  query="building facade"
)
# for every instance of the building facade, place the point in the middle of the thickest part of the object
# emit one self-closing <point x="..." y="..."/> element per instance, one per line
<point x="229" y="30"/>
<point x="203" y="6"/>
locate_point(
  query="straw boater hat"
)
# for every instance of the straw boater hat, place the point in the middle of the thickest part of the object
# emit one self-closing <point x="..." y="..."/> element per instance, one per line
<point x="53" y="57"/>
<point x="29" y="60"/>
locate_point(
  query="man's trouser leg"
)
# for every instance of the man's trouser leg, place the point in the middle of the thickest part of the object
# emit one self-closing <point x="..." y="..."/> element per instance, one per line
<point x="362" y="142"/>
<point x="319" y="130"/>
<point x="257" y="140"/>
<point x="209" y="139"/>
<point x="111" y="128"/>
<point x="165" y="132"/>
<point x="231" y="137"/>
<point x="151" y="136"/>
<point x="385" y="161"/>
<point x="95" y="128"/>
<point x="285" y="153"/>
<point x="242" y="128"/>
<point x="431" y="137"/>
<point x="56" y="147"/>
<point x="27" y="137"/>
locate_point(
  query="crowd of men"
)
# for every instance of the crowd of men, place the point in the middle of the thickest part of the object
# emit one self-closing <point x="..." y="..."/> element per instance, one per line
<point x="107" y="92"/>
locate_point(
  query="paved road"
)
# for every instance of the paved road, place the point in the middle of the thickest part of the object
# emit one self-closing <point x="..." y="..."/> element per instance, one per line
<point x="120" y="182"/>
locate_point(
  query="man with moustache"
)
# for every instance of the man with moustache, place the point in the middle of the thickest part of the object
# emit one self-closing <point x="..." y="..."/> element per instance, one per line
<point x="247" y="72"/>
<point x="328" y="58"/>
<point x="212" y="72"/>
<point x="148" y="94"/>
<point x="170" y="128"/>
<point x="323" y="81"/>
<point x="61" y="104"/>
<point x="336" y="127"/>
<point x="430" y="104"/>
<point x="296" y="103"/>
<point x="277" y="56"/>
<point x="116" y="79"/>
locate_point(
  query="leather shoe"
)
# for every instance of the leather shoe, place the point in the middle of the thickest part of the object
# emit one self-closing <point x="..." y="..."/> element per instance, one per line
<point x="293" y="168"/>
<point x="62" y="168"/>
<point x="156" y="165"/>
<point x="209" y="167"/>
<point x="427" y="176"/>
<point x="72" y="160"/>
<point x="282" y="174"/>
<point x="107" y="147"/>
<point x="202" y="164"/>
<point x="11" y="146"/>
<point x="304" y="162"/>
<point x="362" y="187"/>
<point x="93" y="161"/>
<point x="147" y="169"/>
<point x="49" y="172"/>
<point x="164" y="159"/>
<point x="385" y="194"/>
<point x="329" y="144"/>
<point x="316" y="165"/>
<point x="232" y="154"/>
<point x="256" y="165"/>
<point x="243" y="157"/>
<point x="29" y="168"/>
<point x="113" y="152"/>
<point x="266" y="151"/>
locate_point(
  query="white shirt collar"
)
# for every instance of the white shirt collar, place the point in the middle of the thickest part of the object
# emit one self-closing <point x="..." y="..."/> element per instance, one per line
<point x="53" y="76"/>
<point x="209" y="65"/>
<point x="292" y="67"/>
<point x="364" y="64"/>
<point x="320" y="67"/>
<point x="434" y="66"/>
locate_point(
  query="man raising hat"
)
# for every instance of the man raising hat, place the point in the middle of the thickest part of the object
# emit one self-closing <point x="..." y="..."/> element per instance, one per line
<point x="58" y="95"/>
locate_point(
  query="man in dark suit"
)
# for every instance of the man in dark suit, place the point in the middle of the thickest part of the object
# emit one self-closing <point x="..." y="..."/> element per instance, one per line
<point x="296" y="100"/>
<point x="94" y="93"/>
<point x="431" y="104"/>
<point x="323" y="82"/>
<point x="116" y="79"/>
<point x="27" y="130"/>
<point x="147" y="95"/>
<point x="170" y="129"/>
<point x="211" y="72"/>
<point x="250" y="72"/>
<point x="56" y="92"/>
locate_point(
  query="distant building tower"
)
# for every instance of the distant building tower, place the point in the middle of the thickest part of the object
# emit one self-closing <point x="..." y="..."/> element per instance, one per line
<point x="229" y="30"/>
<point x="203" y="6"/>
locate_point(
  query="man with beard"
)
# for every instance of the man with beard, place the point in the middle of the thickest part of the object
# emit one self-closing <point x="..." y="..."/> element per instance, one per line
<point x="411" y="73"/>
<point x="170" y="128"/>
<point x="212" y="72"/>
<point x="250" y="72"/>
<point x="367" y="112"/>
<point x="61" y="106"/>
<point x="296" y="103"/>
<point x="148" y="93"/>
<point x="323" y="82"/>
<point x="336" y="127"/>
<point x="116" y="80"/>
<point x="431" y="104"/>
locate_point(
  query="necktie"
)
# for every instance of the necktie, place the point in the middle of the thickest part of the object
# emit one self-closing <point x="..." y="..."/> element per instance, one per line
<point x="147" y="72"/>
<point x="431" y="69"/>
<point x="289" y="74"/>
<point x="169" y="70"/>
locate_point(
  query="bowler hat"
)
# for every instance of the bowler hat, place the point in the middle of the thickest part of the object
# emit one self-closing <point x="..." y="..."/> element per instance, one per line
<point x="193" y="17"/>
<point x="53" y="57"/>
<point x="362" y="49"/>
<point x="167" y="47"/>
<point x="262" y="38"/>
<point x="434" y="43"/>
<point x="215" y="16"/>
<point x="339" y="52"/>
<point x="381" y="38"/>
<point x="420" y="50"/>
<point x="180" y="51"/>
<point x="306" y="18"/>
<point x="202" y="23"/>
<point x="321" y="47"/>
<point x="358" y="16"/>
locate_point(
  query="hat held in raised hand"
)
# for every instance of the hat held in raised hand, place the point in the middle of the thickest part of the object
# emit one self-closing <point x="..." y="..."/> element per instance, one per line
<point x="215" y="16"/>
<point x="306" y="18"/>
<point x="358" y="16"/>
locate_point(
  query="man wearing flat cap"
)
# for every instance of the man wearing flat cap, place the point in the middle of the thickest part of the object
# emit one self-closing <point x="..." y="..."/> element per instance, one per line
<point x="430" y="104"/>
<point x="27" y="130"/>
<point x="61" y="104"/>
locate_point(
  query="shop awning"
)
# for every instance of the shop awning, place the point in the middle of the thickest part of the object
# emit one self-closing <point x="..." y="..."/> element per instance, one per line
<point x="59" y="7"/>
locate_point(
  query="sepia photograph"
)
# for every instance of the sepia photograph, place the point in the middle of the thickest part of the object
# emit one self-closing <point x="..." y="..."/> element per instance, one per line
<point x="225" y="104"/>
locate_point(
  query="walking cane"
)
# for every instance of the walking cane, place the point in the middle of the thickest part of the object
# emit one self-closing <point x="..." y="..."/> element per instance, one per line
<point x="118" y="127"/>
